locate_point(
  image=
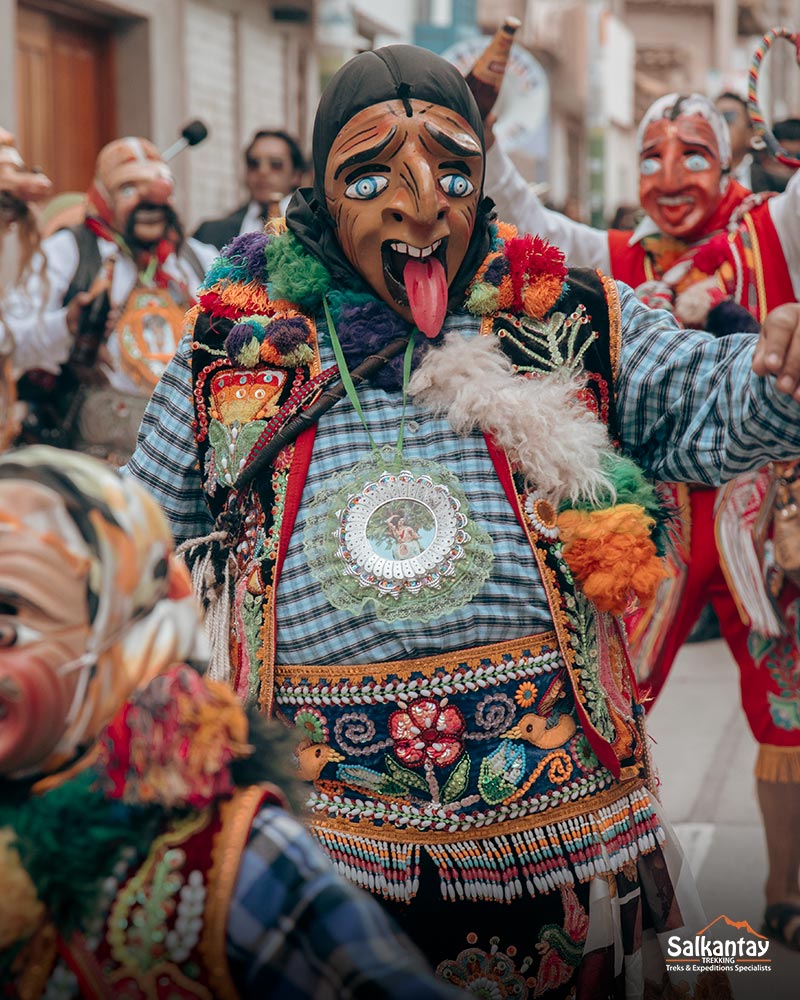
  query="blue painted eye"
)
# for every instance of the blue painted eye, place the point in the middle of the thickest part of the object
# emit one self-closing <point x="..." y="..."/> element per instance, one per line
<point x="649" y="167"/>
<point x="456" y="185"/>
<point x="696" y="162"/>
<point x="369" y="186"/>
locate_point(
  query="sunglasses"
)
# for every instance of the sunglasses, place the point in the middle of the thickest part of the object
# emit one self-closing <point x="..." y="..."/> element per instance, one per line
<point x="254" y="162"/>
<point x="731" y="117"/>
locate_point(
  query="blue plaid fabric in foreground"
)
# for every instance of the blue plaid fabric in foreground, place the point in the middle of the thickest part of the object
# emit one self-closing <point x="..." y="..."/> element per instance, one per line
<point x="297" y="930"/>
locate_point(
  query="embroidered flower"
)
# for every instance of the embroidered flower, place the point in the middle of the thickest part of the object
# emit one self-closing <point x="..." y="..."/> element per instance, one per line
<point x="427" y="730"/>
<point x="582" y="749"/>
<point x="173" y="742"/>
<point x="312" y="724"/>
<point x="526" y="694"/>
<point x="543" y="515"/>
<point x="490" y="975"/>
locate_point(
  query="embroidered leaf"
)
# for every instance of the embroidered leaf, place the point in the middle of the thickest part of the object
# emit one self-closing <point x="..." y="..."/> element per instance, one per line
<point x="245" y="439"/>
<point x="372" y="781"/>
<point x="219" y="439"/>
<point x="404" y="777"/>
<point x="759" y="645"/>
<point x="785" y="712"/>
<point x="501" y="772"/>
<point x="456" y="784"/>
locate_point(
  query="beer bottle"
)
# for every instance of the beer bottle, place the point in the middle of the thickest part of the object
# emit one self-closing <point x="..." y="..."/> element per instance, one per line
<point x="486" y="76"/>
<point x="271" y="208"/>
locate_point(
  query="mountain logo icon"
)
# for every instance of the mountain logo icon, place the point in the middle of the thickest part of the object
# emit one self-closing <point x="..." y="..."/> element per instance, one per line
<point x="737" y="925"/>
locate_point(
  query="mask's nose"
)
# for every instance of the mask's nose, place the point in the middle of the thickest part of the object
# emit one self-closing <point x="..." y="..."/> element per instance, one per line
<point x="160" y="190"/>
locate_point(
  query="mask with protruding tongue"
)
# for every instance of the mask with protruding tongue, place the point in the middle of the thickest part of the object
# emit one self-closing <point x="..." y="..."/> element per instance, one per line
<point x="418" y="276"/>
<point x="426" y="286"/>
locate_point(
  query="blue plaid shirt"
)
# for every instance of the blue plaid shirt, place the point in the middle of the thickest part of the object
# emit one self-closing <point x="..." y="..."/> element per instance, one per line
<point x="296" y="930"/>
<point x="691" y="409"/>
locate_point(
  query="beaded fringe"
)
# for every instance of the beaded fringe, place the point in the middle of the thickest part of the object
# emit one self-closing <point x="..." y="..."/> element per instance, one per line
<point x="503" y="867"/>
<point x="778" y="764"/>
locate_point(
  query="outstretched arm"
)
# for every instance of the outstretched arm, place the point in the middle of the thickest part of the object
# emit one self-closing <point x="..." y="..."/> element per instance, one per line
<point x="695" y="408"/>
<point x="517" y="204"/>
<point x="785" y="212"/>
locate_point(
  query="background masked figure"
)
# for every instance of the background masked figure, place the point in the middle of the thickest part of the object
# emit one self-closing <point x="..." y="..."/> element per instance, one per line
<point x="467" y="715"/>
<point x="126" y="262"/>
<point x="707" y="251"/>
<point x="20" y="267"/>
<point x="142" y="850"/>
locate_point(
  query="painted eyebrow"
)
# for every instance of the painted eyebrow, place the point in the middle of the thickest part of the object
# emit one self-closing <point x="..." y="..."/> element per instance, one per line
<point x="11" y="602"/>
<point x="366" y="154"/>
<point x="446" y="141"/>
<point x="696" y="144"/>
<point x="456" y="165"/>
<point x="366" y="168"/>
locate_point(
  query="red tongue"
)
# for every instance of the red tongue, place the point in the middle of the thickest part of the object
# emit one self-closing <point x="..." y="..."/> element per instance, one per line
<point x="426" y="286"/>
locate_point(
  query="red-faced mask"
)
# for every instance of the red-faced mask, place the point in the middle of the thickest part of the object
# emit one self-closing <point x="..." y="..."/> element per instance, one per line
<point x="681" y="175"/>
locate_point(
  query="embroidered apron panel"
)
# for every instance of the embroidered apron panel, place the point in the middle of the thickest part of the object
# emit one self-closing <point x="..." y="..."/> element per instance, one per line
<point x="435" y="752"/>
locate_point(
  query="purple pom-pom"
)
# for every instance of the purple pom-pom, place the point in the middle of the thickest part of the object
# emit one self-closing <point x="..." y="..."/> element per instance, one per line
<point x="239" y="336"/>
<point x="496" y="271"/>
<point x="249" y="247"/>
<point x="729" y="317"/>
<point x="364" y="329"/>
<point x="286" y="334"/>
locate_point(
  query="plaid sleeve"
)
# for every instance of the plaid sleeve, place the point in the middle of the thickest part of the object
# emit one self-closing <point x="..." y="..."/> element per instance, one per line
<point x="297" y="930"/>
<point x="691" y="407"/>
<point x="165" y="461"/>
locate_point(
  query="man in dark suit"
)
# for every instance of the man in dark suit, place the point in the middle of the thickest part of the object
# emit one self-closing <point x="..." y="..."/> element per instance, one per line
<point x="273" y="169"/>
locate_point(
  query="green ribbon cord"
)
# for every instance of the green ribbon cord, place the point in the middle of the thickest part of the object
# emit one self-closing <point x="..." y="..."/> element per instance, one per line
<point x="350" y="388"/>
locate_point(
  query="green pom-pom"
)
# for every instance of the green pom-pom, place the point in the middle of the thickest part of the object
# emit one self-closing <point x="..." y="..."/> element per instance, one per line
<point x="295" y="275"/>
<point x="301" y="355"/>
<point x="483" y="299"/>
<point x="632" y="486"/>
<point x="225" y="269"/>
<point x="249" y="354"/>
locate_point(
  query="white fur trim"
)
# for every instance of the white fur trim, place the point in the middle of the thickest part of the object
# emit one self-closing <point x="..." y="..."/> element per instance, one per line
<point x="548" y="434"/>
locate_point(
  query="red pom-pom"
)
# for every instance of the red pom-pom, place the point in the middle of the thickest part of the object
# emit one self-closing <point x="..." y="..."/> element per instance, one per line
<point x="530" y="257"/>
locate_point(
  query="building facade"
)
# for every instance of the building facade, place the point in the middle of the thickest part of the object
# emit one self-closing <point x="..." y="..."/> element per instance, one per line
<point x="74" y="75"/>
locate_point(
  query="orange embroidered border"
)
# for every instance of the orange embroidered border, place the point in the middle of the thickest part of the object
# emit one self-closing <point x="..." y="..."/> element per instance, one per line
<point x="758" y="265"/>
<point x="614" y="322"/>
<point x="547" y="818"/>
<point x="424" y="665"/>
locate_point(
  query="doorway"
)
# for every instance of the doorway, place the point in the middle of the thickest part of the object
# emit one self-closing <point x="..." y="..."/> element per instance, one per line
<point x="66" y="96"/>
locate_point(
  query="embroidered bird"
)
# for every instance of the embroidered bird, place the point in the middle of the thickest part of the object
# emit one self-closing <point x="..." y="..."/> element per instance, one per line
<point x="534" y="729"/>
<point x="548" y="726"/>
<point x="504" y="774"/>
<point x="312" y="757"/>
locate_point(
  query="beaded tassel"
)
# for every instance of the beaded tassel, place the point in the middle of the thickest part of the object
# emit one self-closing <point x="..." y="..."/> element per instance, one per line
<point x="502" y="868"/>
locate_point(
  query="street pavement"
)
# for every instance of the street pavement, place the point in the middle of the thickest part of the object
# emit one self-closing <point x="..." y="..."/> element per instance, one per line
<point x="704" y="753"/>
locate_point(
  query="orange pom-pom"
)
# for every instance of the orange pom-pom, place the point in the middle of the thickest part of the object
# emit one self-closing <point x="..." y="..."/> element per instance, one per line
<point x="270" y="355"/>
<point x="506" y="290"/>
<point x="541" y="294"/>
<point x="611" y="555"/>
<point x="506" y="231"/>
